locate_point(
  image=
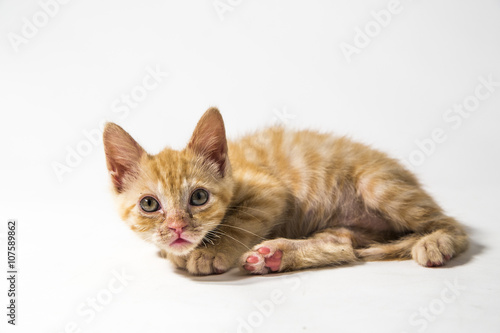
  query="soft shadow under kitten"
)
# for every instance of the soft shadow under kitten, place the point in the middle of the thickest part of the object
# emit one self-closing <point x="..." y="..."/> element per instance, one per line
<point x="276" y="200"/>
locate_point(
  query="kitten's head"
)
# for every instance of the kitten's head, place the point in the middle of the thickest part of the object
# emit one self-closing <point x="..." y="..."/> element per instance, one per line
<point x="174" y="198"/>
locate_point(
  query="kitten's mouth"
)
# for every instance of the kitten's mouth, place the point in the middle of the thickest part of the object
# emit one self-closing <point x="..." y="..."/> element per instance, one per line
<point x="179" y="242"/>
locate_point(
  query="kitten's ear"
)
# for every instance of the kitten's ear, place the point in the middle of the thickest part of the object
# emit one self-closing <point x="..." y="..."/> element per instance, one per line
<point x="209" y="139"/>
<point x="123" y="155"/>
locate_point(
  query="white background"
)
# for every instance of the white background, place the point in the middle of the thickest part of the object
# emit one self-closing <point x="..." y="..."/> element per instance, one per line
<point x="261" y="62"/>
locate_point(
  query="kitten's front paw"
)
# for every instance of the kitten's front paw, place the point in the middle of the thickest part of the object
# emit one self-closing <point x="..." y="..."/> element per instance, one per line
<point x="178" y="261"/>
<point x="262" y="260"/>
<point x="207" y="261"/>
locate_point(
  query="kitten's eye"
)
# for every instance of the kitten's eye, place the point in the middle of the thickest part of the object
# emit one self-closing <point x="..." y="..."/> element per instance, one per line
<point x="199" y="197"/>
<point x="149" y="204"/>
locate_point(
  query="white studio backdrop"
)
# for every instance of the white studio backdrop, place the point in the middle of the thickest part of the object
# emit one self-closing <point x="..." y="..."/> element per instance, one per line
<point x="417" y="79"/>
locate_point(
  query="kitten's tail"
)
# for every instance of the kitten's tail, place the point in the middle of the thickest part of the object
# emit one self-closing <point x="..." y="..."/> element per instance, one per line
<point x="396" y="250"/>
<point x="447" y="239"/>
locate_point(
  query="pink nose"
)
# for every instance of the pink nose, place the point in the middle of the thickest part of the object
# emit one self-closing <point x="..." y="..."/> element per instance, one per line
<point x="178" y="230"/>
<point x="176" y="221"/>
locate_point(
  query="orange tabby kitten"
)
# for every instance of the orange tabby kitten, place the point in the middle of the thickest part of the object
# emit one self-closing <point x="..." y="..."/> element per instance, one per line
<point x="277" y="200"/>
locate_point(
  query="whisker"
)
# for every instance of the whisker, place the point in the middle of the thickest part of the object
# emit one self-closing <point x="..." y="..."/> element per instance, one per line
<point x="243" y="229"/>
<point x="224" y="234"/>
<point x="211" y="241"/>
<point x="212" y="234"/>
<point x="207" y="238"/>
<point x="203" y="241"/>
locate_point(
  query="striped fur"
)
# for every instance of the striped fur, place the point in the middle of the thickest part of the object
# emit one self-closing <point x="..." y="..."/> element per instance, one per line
<point x="310" y="199"/>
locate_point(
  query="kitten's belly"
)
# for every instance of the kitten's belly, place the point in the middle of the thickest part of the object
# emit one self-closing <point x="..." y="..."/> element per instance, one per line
<point x="353" y="216"/>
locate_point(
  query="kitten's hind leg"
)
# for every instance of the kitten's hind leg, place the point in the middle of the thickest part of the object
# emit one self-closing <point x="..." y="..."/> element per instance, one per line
<point x="327" y="247"/>
<point x="432" y="238"/>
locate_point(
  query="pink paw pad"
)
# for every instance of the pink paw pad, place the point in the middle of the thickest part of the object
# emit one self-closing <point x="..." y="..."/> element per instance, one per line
<point x="439" y="263"/>
<point x="264" y="250"/>
<point x="434" y="264"/>
<point x="253" y="259"/>
<point x="272" y="261"/>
